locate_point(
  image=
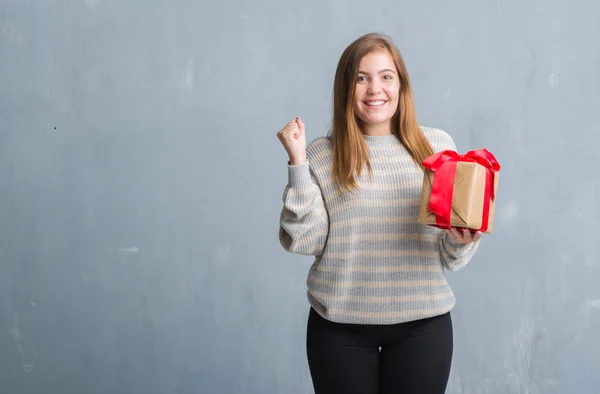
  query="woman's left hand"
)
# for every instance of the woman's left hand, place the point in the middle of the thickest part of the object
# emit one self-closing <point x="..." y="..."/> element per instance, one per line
<point x="465" y="236"/>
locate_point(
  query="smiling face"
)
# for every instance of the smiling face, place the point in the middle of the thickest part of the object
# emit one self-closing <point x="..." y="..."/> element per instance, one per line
<point x="377" y="92"/>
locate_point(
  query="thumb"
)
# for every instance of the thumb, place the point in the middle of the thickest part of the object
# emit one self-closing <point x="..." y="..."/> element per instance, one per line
<point x="300" y="123"/>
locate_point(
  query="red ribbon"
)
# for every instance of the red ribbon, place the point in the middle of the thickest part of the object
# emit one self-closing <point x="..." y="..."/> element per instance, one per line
<point x="443" y="164"/>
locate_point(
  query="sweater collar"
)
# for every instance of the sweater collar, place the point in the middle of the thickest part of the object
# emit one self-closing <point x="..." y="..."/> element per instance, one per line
<point x="378" y="140"/>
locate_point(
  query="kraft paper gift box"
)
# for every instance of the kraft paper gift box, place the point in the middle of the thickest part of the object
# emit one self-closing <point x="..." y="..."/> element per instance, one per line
<point x="460" y="190"/>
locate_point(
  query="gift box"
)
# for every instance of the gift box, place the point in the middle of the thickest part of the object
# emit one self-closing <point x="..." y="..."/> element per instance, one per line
<point x="460" y="190"/>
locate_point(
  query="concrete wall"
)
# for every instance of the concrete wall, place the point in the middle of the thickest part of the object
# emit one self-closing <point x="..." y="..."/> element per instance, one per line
<point x="141" y="183"/>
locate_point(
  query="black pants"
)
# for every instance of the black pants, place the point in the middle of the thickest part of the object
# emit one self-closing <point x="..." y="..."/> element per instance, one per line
<point x="415" y="357"/>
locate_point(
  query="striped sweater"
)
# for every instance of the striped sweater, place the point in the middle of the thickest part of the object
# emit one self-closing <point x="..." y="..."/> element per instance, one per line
<point x="374" y="263"/>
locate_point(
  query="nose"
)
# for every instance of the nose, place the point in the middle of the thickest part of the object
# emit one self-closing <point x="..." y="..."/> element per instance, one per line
<point x="374" y="87"/>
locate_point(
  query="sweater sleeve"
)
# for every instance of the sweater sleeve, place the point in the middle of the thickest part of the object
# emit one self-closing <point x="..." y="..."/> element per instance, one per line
<point x="304" y="222"/>
<point x="454" y="254"/>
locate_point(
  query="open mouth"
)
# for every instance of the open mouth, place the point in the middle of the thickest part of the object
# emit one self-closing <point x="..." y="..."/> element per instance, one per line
<point x="375" y="103"/>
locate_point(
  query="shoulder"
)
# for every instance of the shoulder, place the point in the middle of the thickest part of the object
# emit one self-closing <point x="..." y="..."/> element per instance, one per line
<point x="318" y="146"/>
<point x="439" y="139"/>
<point x="319" y="154"/>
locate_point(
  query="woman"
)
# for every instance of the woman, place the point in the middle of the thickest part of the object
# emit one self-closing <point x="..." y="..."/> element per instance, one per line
<point x="379" y="320"/>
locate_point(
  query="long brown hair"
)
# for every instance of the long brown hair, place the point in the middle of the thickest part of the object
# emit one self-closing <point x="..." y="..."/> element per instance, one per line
<point x="350" y="153"/>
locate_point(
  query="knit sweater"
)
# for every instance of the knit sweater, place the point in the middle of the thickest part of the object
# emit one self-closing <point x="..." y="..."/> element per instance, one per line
<point x="373" y="262"/>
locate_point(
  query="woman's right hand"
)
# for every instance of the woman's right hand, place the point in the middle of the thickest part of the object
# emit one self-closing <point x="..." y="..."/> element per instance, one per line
<point x="293" y="139"/>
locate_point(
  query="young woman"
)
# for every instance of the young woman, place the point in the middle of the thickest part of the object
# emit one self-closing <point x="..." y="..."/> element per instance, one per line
<point x="379" y="320"/>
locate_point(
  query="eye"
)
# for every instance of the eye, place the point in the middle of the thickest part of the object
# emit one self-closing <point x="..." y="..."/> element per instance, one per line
<point x="361" y="78"/>
<point x="388" y="77"/>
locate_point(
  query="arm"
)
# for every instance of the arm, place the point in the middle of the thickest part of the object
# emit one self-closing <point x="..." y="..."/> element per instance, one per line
<point x="304" y="222"/>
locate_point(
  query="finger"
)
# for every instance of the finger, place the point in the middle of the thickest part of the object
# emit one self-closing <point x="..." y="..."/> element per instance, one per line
<point x="290" y="129"/>
<point x="468" y="237"/>
<point x="453" y="234"/>
<point x="300" y="123"/>
<point x="289" y="126"/>
<point x="477" y="236"/>
<point x="464" y="235"/>
<point x="456" y="233"/>
<point x="299" y="128"/>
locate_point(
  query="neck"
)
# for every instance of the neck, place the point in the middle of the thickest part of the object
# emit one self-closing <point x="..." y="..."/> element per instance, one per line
<point x="377" y="129"/>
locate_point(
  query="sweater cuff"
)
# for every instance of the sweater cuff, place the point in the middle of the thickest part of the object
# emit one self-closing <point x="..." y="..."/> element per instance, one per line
<point x="458" y="247"/>
<point x="299" y="175"/>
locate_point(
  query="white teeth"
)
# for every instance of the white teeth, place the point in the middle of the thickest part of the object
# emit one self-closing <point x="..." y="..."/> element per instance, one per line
<point x="375" y="103"/>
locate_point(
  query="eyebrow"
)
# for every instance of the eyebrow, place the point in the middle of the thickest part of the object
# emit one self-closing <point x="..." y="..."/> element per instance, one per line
<point x="386" y="70"/>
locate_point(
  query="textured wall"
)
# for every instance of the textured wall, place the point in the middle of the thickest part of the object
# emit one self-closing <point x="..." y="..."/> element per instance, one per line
<point x="141" y="183"/>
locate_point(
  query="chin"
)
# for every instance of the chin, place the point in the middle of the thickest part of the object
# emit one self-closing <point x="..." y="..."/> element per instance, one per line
<point x="377" y="120"/>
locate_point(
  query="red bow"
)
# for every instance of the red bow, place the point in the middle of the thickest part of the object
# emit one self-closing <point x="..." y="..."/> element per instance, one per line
<point x="443" y="164"/>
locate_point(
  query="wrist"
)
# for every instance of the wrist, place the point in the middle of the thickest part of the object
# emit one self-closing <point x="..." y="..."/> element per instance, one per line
<point x="297" y="160"/>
